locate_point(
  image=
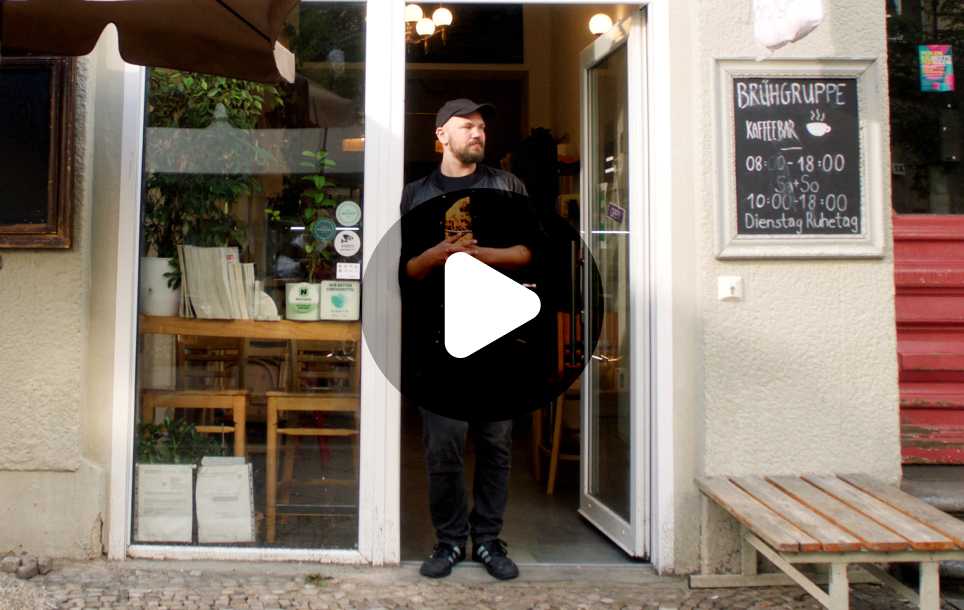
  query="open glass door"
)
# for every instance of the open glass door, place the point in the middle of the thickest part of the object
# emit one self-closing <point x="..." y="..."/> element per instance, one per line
<point x="615" y="404"/>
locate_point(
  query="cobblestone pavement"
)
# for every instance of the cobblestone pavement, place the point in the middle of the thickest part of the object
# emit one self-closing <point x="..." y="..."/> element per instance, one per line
<point x="188" y="585"/>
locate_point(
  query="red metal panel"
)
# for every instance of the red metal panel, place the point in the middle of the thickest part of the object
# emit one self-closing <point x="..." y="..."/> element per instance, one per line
<point x="929" y="282"/>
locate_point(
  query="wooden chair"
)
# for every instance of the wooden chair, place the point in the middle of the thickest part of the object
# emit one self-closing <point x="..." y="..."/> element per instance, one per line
<point x="553" y="449"/>
<point x="207" y="374"/>
<point x="234" y="401"/>
<point x="209" y="363"/>
<point x="325" y="377"/>
<point x="265" y="365"/>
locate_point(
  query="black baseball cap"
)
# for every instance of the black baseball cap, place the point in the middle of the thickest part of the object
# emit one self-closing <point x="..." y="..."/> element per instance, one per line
<point x="462" y="107"/>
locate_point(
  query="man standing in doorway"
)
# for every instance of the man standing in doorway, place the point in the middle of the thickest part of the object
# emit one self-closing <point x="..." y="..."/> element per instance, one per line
<point x="460" y="127"/>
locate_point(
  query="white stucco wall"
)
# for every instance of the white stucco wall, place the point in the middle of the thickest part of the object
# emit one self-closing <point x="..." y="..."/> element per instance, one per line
<point x="43" y="297"/>
<point x="57" y="341"/>
<point x="801" y="375"/>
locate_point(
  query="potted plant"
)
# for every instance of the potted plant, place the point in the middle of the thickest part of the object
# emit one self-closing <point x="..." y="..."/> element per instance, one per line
<point x="317" y="206"/>
<point x="186" y="208"/>
<point x="175" y="441"/>
<point x="308" y="201"/>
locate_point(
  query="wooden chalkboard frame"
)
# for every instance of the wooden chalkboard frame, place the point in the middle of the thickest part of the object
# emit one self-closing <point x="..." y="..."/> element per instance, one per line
<point x="57" y="231"/>
<point x="869" y="243"/>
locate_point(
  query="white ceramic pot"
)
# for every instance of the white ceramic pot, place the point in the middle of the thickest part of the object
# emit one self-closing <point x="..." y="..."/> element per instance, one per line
<point x="156" y="298"/>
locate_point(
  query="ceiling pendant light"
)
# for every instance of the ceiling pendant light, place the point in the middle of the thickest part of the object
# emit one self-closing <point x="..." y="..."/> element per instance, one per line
<point x="413" y="13"/>
<point x="425" y="27"/>
<point x="442" y="17"/>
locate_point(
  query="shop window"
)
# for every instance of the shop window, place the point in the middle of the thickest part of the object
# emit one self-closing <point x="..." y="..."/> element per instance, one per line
<point x="248" y="411"/>
<point x="925" y="40"/>
<point x="36" y="145"/>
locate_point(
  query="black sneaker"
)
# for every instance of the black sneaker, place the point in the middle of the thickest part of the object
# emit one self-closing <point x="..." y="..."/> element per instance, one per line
<point x="491" y="554"/>
<point x="444" y="556"/>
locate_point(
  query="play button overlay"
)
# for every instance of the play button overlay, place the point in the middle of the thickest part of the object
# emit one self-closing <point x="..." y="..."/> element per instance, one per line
<point x="482" y="305"/>
<point x="479" y="341"/>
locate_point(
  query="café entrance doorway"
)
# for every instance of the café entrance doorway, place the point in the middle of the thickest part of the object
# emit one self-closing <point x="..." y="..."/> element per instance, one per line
<point x="553" y="91"/>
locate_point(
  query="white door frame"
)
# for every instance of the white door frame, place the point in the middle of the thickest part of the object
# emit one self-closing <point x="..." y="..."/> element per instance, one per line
<point x="379" y="517"/>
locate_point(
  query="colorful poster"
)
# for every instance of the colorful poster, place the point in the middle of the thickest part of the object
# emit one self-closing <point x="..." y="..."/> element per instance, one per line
<point x="936" y="67"/>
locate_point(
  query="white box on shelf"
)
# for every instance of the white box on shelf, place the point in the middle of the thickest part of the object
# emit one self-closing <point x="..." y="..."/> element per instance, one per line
<point x="340" y="300"/>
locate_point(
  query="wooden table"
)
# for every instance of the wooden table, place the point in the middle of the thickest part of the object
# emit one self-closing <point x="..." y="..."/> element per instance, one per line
<point x="251" y="329"/>
<point x="834" y="520"/>
<point x="288" y="330"/>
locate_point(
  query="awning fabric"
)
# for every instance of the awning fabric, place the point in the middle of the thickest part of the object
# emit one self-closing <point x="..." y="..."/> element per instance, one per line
<point x="234" y="38"/>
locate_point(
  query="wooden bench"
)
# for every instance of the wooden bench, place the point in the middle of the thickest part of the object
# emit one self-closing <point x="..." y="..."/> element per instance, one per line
<point x="838" y="521"/>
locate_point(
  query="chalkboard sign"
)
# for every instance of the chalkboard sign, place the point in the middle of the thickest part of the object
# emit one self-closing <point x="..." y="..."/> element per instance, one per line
<point x="800" y="158"/>
<point x="797" y="156"/>
<point x="36" y="125"/>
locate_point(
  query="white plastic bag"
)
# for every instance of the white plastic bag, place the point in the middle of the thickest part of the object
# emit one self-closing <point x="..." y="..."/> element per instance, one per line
<point x="779" y="22"/>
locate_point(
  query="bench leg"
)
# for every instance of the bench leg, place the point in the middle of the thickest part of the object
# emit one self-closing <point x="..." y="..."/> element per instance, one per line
<point x="748" y="556"/>
<point x="839" y="587"/>
<point x="930" y="588"/>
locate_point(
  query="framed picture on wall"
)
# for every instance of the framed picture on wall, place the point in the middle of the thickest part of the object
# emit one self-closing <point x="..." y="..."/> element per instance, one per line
<point x="36" y="145"/>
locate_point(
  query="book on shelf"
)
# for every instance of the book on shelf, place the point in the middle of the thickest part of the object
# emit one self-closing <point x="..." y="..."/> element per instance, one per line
<point x="215" y="284"/>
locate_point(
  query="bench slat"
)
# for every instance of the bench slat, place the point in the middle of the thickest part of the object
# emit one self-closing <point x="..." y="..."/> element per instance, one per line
<point x="831" y="537"/>
<point x="920" y="536"/>
<point x="771" y="527"/>
<point x="873" y="536"/>
<point x="914" y="508"/>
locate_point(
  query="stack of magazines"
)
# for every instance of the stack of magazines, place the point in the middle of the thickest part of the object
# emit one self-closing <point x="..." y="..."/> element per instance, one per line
<point x="215" y="284"/>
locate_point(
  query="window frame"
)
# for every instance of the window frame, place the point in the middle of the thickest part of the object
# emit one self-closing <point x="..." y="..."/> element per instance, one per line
<point x="57" y="232"/>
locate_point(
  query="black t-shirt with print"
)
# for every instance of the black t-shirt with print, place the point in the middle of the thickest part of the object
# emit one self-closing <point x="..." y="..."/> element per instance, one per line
<point x="501" y="216"/>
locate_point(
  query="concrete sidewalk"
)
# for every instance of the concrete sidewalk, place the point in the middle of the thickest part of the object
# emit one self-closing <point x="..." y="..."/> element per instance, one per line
<point x="188" y="585"/>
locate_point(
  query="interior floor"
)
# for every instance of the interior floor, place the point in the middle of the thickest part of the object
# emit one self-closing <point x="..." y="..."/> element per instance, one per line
<point x="538" y="528"/>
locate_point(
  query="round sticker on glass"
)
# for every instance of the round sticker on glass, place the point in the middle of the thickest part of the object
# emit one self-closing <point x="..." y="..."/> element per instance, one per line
<point x="323" y="229"/>
<point x="348" y="213"/>
<point x="347" y="243"/>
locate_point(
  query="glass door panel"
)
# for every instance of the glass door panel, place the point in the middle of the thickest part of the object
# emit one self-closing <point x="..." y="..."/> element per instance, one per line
<point x="613" y="395"/>
<point x="609" y="218"/>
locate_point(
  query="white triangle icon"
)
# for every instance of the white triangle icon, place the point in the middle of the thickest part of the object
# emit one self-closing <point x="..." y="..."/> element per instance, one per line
<point x="482" y="305"/>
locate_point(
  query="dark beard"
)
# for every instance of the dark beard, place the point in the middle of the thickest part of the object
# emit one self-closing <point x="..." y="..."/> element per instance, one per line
<point x="467" y="156"/>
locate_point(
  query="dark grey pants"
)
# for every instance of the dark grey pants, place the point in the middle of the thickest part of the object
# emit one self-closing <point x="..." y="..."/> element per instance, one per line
<point x="444" y="441"/>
